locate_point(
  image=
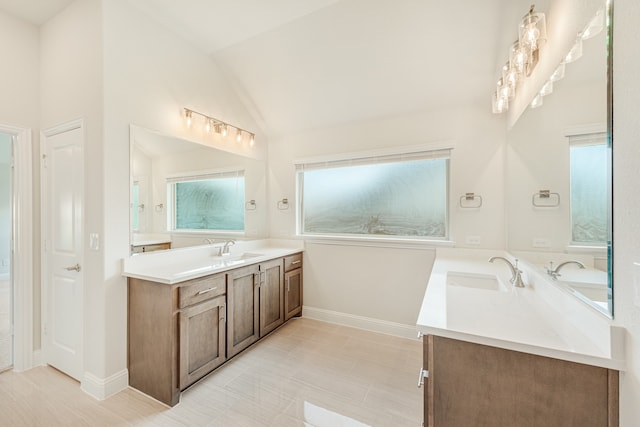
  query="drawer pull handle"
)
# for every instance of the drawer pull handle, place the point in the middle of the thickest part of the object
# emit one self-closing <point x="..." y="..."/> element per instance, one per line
<point x="206" y="291"/>
<point x="296" y="262"/>
<point x="421" y="376"/>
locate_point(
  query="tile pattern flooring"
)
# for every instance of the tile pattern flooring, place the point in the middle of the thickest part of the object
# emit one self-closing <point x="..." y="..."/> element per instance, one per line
<point x="307" y="373"/>
<point x="5" y="325"/>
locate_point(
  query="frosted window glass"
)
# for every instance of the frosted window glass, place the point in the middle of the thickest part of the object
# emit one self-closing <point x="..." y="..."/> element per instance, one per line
<point x="135" y="211"/>
<point x="388" y="199"/>
<point x="589" y="192"/>
<point x="212" y="204"/>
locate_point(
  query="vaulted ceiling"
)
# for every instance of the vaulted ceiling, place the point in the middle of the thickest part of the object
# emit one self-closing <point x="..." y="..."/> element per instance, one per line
<point x="315" y="63"/>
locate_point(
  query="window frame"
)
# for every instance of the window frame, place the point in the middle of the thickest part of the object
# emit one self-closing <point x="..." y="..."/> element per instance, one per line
<point x="584" y="137"/>
<point x="174" y="179"/>
<point x="442" y="150"/>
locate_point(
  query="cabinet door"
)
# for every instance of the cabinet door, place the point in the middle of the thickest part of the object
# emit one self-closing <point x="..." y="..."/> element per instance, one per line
<point x="243" y="308"/>
<point x="202" y="339"/>
<point x="293" y="293"/>
<point x="271" y="296"/>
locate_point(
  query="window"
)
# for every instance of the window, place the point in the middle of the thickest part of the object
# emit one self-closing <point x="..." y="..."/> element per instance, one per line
<point x="394" y="196"/>
<point x="211" y="202"/>
<point x="589" y="188"/>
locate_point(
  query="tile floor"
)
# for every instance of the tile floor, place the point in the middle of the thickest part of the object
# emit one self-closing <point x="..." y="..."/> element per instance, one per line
<point x="307" y="373"/>
<point x="5" y="326"/>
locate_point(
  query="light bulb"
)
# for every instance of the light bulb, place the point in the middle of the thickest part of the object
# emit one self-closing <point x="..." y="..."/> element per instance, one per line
<point x="188" y="116"/>
<point x="207" y="126"/>
<point x="224" y="130"/>
<point x="239" y="136"/>
<point x="499" y="103"/>
<point x="532" y="33"/>
<point x="252" y="140"/>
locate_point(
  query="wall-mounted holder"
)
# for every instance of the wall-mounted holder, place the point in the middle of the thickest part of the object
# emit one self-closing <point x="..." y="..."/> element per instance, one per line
<point x="141" y="207"/>
<point x="159" y="208"/>
<point x="545" y="199"/>
<point x="250" y="205"/>
<point x="283" y="204"/>
<point x="471" y="201"/>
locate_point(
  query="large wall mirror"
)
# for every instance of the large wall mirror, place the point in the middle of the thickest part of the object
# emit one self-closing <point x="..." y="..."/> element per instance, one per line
<point x="559" y="177"/>
<point x="184" y="192"/>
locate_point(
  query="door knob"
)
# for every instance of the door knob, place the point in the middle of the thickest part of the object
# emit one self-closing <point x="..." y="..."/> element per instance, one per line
<point x="74" y="267"/>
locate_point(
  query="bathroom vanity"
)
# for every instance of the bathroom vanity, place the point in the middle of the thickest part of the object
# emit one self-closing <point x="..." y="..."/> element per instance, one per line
<point x="189" y="311"/>
<point x="498" y="355"/>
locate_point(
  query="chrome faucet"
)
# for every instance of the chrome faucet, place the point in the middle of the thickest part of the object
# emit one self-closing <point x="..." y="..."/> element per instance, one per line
<point x="208" y="241"/>
<point x="555" y="272"/>
<point x="516" y="274"/>
<point x="225" y="248"/>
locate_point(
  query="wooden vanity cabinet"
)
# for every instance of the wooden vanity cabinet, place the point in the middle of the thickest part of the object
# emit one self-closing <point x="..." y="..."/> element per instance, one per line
<point x="243" y="294"/>
<point x="473" y="384"/>
<point x="202" y="339"/>
<point x="179" y="333"/>
<point x="255" y="295"/>
<point x="293" y="286"/>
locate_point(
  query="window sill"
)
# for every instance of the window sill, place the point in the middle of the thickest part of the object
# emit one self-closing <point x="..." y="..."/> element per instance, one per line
<point x="379" y="242"/>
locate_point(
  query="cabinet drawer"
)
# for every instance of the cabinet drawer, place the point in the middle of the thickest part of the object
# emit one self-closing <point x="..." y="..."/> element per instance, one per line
<point x="292" y="262"/>
<point x="197" y="290"/>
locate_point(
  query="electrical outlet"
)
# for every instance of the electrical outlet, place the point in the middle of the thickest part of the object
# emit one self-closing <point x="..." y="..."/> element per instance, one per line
<point x="541" y="242"/>
<point x="472" y="240"/>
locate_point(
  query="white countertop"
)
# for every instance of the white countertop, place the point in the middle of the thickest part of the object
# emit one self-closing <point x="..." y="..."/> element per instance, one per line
<point x="516" y="319"/>
<point x="178" y="265"/>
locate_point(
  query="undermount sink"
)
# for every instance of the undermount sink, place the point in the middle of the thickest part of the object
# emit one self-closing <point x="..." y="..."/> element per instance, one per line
<point x="475" y="281"/>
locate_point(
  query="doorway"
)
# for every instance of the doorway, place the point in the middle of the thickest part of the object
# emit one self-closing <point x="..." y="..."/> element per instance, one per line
<point x="6" y="283"/>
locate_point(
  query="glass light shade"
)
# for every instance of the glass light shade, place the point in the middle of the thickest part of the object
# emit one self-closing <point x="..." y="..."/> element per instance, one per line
<point x="252" y="140"/>
<point x="504" y="89"/>
<point x="575" y="52"/>
<point x="547" y="89"/>
<point x="594" y="27"/>
<point x="207" y="126"/>
<point x="224" y="131"/>
<point x="537" y="101"/>
<point x="558" y="73"/>
<point x="189" y="117"/>
<point x="532" y="31"/>
<point x="519" y="58"/>
<point x="499" y="103"/>
<point x="239" y="136"/>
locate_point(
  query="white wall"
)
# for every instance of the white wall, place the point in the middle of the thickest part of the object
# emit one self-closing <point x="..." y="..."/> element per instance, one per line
<point x="149" y="76"/>
<point x="626" y="224"/>
<point x="387" y="282"/>
<point x="19" y="107"/>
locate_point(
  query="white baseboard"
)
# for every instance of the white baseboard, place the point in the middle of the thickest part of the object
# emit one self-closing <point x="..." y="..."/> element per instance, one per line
<point x="102" y="388"/>
<point x="360" y="322"/>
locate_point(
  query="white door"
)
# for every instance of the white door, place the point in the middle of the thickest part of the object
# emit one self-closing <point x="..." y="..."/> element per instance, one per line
<point x="63" y="234"/>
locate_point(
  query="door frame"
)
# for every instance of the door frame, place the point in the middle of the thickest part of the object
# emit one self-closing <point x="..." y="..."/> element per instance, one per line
<point x="44" y="229"/>
<point x="22" y="246"/>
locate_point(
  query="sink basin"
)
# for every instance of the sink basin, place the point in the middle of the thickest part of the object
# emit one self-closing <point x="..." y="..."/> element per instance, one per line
<point x="475" y="281"/>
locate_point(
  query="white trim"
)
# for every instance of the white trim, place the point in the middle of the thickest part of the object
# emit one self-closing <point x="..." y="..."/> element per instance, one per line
<point x="22" y="258"/>
<point x="584" y="129"/>
<point x="360" y="322"/>
<point x="102" y="388"/>
<point x="377" y="242"/>
<point x="433" y="146"/>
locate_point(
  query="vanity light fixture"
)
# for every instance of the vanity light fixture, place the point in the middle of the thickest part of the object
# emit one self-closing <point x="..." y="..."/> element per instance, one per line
<point x="595" y="26"/>
<point x="523" y="58"/>
<point x="217" y="125"/>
